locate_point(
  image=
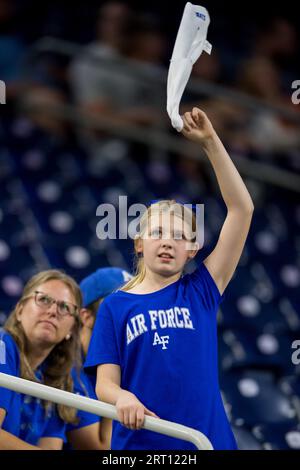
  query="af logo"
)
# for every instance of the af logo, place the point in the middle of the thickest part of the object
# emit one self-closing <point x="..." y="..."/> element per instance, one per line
<point x="162" y="340"/>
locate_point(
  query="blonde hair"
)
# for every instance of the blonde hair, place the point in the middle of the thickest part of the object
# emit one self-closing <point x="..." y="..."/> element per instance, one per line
<point x="160" y="207"/>
<point x="63" y="356"/>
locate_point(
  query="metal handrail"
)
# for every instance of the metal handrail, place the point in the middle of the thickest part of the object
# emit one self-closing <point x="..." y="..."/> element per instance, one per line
<point x="99" y="408"/>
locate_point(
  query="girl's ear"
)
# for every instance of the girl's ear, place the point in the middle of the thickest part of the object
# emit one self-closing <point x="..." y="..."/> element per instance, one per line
<point x="193" y="248"/>
<point x="139" y="246"/>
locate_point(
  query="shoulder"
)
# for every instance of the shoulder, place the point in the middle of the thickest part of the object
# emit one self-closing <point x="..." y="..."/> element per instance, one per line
<point x="8" y="340"/>
<point x="202" y="280"/>
<point x="9" y="352"/>
<point x="113" y="300"/>
<point x="200" y="273"/>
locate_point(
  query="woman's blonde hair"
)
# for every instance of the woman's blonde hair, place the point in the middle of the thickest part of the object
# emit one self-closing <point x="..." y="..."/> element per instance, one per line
<point x="64" y="356"/>
<point x="161" y="207"/>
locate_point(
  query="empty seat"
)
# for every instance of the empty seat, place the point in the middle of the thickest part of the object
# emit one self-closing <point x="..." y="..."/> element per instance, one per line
<point x="245" y="439"/>
<point x="281" y="436"/>
<point x="241" y="348"/>
<point x="254" y="398"/>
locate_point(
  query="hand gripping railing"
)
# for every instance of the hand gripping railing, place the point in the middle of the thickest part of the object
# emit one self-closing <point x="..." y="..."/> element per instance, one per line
<point x="99" y="408"/>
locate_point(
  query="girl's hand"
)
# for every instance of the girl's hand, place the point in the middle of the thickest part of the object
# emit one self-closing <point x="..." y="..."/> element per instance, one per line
<point x="197" y="127"/>
<point x="131" y="412"/>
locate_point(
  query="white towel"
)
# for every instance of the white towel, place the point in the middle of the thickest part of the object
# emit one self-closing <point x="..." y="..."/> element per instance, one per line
<point x="189" y="45"/>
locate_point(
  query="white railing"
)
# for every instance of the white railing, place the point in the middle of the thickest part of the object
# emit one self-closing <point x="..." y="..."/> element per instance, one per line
<point x="99" y="408"/>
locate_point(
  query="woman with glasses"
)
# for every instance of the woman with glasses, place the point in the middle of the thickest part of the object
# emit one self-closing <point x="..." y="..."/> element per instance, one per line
<point x="40" y="342"/>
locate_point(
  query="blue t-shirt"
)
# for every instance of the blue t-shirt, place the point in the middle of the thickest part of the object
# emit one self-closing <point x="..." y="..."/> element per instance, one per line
<point x="26" y="417"/>
<point x="165" y="343"/>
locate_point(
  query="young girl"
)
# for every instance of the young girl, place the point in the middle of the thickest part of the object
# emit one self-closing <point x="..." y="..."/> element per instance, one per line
<point x="155" y="343"/>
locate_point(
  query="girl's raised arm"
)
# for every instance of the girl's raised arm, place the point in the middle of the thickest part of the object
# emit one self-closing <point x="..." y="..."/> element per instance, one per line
<point x="223" y="260"/>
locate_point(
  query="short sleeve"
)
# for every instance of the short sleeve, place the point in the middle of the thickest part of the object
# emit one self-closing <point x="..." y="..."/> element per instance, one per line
<point x="9" y="364"/>
<point x="204" y="282"/>
<point x="83" y="387"/>
<point x="103" y="347"/>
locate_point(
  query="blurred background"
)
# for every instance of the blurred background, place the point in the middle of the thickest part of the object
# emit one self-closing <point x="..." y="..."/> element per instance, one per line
<point x="85" y="121"/>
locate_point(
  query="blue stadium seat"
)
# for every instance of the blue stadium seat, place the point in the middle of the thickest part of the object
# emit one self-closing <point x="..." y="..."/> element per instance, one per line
<point x="282" y="436"/>
<point x="245" y="348"/>
<point x="255" y="398"/>
<point x="245" y="439"/>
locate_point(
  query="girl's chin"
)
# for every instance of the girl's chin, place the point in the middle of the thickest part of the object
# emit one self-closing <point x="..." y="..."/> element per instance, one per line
<point x="166" y="271"/>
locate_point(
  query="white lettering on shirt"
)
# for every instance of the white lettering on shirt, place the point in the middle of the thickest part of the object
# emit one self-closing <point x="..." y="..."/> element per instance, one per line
<point x="138" y="327"/>
<point x="177" y="317"/>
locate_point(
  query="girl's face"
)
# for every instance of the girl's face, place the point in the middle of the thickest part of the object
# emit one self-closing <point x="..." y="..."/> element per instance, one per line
<point x="165" y="245"/>
<point x="44" y="321"/>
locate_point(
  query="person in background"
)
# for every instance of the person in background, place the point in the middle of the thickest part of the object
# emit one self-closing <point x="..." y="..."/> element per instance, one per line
<point x="41" y="343"/>
<point x="92" y="432"/>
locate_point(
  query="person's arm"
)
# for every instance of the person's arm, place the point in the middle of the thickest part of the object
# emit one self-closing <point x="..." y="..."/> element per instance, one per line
<point x="10" y="442"/>
<point x="96" y="436"/>
<point x="105" y="432"/>
<point x="131" y="412"/>
<point x="223" y="260"/>
<point x="50" y="443"/>
<point x="86" y="438"/>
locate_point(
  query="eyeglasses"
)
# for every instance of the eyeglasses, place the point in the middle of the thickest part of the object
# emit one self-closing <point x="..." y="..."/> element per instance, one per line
<point x="44" y="301"/>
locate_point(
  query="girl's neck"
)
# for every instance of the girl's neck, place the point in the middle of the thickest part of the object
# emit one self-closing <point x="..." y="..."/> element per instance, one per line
<point x="153" y="282"/>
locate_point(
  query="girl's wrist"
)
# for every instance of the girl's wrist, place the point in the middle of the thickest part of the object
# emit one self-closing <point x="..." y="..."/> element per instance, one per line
<point x="210" y="143"/>
<point x="125" y="393"/>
